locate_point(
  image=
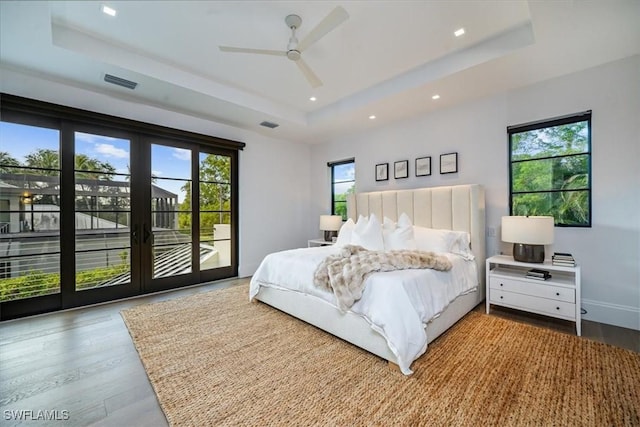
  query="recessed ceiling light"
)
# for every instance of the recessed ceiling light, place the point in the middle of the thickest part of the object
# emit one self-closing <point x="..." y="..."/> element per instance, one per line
<point x="371" y="117"/>
<point x="313" y="98"/>
<point x="436" y="96"/>
<point x="459" y="32"/>
<point x="108" y="10"/>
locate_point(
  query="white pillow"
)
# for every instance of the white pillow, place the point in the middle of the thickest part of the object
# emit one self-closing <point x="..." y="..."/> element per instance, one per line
<point x="368" y="233"/>
<point x="404" y="220"/>
<point x="344" y="235"/>
<point x="398" y="236"/>
<point x="435" y="240"/>
<point x="388" y="225"/>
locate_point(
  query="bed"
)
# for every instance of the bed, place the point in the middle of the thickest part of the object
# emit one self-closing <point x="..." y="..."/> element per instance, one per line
<point x="460" y="208"/>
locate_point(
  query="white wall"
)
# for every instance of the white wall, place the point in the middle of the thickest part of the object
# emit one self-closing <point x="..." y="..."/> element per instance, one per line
<point x="274" y="174"/>
<point x="609" y="251"/>
<point x="274" y="200"/>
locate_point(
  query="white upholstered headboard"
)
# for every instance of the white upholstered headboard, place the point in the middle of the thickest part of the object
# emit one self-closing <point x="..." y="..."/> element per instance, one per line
<point x="458" y="207"/>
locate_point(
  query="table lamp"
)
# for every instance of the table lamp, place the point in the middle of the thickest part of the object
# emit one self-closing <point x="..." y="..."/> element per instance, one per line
<point x="528" y="234"/>
<point x="330" y="224"/>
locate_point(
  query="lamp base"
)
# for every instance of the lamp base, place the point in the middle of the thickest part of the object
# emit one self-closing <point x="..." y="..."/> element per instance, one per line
<point x="328" y="235"/>
<point x="528" y="253"/>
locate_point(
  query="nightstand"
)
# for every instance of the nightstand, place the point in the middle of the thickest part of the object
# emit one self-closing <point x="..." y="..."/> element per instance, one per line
<point x="318" y="242"/>
<point x="559" y="296"/>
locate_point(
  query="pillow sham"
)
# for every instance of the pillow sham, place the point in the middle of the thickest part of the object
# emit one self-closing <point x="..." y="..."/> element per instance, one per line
<point x="368" y="233"/>
<point x="398" y="236"/>
<point x="344" y="235"/>
<point x="437" y="240"/>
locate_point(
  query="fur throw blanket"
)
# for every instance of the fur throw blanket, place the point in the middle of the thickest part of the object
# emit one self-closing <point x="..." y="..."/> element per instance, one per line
<point x="345" y="272"/>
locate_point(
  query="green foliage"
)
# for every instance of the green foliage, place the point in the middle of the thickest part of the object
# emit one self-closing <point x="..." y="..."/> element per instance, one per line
<point x="44" y="158"/>
<point x="340" y="202"/>
<point x="91" y="278"/>
<point x="340" y="209"/>
<point x="38" y="283"/>
<point x="35" y="282"/>
<point x="215" y="196"/>
<point x="550" y="173"/>
<point x="6" y="161"/>
<point x="554" y="141"/>
<point x="46" y="162"/>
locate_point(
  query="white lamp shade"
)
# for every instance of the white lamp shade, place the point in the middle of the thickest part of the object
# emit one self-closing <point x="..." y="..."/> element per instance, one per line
<point x="528" y="230"/>
<point x="330" y="222"/>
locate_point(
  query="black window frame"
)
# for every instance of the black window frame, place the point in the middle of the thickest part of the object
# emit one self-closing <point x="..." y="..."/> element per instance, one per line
<point x="548" y="123"/>
<point x="67" y="120"/>
<point x="332" y="165"/>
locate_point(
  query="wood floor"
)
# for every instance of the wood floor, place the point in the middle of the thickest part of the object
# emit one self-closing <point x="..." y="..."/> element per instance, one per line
<point x="82" y="363"/>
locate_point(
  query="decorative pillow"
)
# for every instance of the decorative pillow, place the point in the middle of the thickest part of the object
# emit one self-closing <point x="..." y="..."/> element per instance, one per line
<point x="368" y="233"/>
<point x="388" y="224"/>
<point x="404" y="220"/>
<point x="436" y="240"/>
<point x="398" y="236"/>
<point x="344" y="235"/>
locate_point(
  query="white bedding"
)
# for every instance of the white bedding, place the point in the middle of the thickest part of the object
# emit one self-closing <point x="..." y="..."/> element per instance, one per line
<point x="397" y="304"/>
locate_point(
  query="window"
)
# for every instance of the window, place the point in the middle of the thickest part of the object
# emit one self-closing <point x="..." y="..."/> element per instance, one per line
<point x="30" y="203"/>
<point x="343" y="182"/>
<point x="550" y="169"/>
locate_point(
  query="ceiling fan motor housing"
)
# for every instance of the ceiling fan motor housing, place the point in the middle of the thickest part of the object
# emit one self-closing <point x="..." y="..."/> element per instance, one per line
<point x="293" y="54"/>
<point x="293" y="22"/>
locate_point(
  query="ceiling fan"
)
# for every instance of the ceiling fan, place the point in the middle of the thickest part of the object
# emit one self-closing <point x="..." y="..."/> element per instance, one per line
<point x="294" y="49"/>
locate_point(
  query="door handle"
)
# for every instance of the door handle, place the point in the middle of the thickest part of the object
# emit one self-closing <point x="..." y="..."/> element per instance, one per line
<point x="134" y="234"/>
<point x="146" y="234"/>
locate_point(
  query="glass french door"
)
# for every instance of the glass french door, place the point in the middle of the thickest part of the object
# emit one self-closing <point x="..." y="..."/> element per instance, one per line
<point x="106" y="252"/>
<point x="30" y="213"/>
<point x="216" y="215"/>
<point x="190" y="215"/>
<point x="90" y="214"/>
<point x="168" y="233"/>
<point x="65" y="200"/>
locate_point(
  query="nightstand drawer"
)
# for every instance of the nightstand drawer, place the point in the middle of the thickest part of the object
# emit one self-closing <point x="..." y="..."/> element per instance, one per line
<point x="534" y="304"/>
<point x="531" y="288"/>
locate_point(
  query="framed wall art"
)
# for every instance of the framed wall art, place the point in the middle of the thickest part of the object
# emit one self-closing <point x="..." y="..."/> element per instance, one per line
<point x="382" y="171"/>
<point x="423" y="166"/>
<point x="401" y="169"/>
<point x="449" y="163"/>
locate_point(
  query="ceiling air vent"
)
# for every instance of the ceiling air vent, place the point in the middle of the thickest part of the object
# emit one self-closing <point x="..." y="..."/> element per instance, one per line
<point x="269" y="125"/>
<point x="120" y="81"/>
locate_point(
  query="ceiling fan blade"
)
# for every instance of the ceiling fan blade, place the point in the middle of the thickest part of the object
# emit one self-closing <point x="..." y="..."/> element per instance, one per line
<point x="259" y="51"/>
<point x="336" y="17"/>
<point x="313" y="80"/>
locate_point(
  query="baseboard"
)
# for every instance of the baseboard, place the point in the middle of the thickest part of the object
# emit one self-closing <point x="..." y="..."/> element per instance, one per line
<point x="245" y="270"/>
<point x="612" y="314"/>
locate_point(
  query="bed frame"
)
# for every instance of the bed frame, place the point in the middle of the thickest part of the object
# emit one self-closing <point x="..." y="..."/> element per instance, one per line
<point x="459" y="207"/>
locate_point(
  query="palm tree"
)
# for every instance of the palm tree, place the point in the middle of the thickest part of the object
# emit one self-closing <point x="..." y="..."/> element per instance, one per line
<point x="6" y="162"/>
<point x="45" y="159"/>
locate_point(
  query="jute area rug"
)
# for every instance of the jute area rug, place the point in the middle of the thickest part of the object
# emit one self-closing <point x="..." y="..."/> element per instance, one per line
<point x="217" y="359"/>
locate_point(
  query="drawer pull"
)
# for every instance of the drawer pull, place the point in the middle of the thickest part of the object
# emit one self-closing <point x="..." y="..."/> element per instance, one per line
<point x="501" y="284"/>
<point x="557" y="308"/>
<point x="557" y="293"/>
<point x="501" y="297"/>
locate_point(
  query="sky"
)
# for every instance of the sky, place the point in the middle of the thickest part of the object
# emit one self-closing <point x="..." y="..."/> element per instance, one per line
<point x="166" y="162"/>
<point x="345" y="172"/>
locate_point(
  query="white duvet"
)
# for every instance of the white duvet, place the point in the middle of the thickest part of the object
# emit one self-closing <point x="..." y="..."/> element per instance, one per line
<point x="397" y="304"/>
